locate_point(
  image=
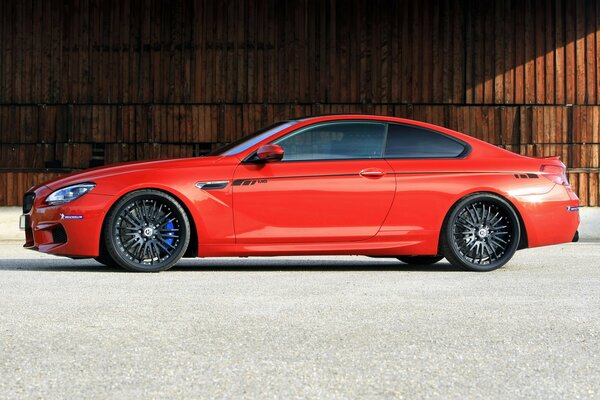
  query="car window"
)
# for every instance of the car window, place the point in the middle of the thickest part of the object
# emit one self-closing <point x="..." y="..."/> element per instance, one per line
<point x="405" y="141"/>
<point x="335" y="141"/>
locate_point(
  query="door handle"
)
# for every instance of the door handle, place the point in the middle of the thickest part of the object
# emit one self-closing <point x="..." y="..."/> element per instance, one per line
<point x="372" y="173"/>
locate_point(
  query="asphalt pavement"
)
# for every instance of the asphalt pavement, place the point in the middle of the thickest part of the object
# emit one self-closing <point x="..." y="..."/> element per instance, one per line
<point x="311" y="327"/>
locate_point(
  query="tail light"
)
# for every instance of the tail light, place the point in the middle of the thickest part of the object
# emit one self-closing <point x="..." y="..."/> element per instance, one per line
<point x="555" y="173"/>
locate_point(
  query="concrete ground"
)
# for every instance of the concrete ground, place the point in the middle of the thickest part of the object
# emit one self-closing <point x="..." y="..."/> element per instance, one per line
<point x="332" y="327"/>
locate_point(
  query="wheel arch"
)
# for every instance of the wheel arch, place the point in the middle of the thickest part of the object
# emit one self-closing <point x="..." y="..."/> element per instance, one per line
<point x="523" y="240"/>
<point x="192" y="250"/>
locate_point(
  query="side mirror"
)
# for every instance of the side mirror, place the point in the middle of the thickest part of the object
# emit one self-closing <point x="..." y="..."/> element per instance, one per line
<point x="269" y="153"/>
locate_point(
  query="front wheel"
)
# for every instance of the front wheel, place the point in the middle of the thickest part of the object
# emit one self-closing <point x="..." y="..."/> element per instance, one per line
<point x="481" y="233"/>
<point x="146" y="231"/>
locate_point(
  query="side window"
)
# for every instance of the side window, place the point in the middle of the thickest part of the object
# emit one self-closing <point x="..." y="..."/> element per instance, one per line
<point x="335" y="141"/>
<point x="405" y="141"/>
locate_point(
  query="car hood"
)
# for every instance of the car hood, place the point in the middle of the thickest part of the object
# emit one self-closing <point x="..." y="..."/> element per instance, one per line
<point x="92" y="174"/>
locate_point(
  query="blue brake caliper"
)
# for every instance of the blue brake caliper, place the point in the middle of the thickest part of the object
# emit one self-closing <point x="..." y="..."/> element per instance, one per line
<point x="168" y="239"/>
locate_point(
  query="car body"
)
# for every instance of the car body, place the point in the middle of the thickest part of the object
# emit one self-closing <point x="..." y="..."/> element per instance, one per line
<point x="380" y="192"/>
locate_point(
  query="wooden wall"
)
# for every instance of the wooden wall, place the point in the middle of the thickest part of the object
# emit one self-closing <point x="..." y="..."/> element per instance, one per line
<point x="118" y="80"/>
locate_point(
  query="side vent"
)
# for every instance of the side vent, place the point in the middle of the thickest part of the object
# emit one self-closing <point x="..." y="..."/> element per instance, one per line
<point x="526" y="176"/>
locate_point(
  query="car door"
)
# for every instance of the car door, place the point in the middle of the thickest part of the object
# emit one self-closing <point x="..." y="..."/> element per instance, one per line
<point x="429" y="167"/>
<point x="332" y="185"/>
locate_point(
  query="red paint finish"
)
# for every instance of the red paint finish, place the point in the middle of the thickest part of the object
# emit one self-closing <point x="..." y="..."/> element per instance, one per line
<point x="313" y="201"/>
<point x="372" y="206"/>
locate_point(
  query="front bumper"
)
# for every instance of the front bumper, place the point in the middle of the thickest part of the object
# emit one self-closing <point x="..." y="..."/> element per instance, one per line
<point x="72" y="229"/>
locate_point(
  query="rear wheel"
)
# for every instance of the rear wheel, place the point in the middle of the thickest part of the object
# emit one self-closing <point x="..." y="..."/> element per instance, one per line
<point x="481" y="233"/>
<point x="146" y="231"/>
<point x="420" y="260"/>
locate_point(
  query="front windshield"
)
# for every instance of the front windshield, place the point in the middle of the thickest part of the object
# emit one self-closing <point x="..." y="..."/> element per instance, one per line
<point x="250" y="140"/>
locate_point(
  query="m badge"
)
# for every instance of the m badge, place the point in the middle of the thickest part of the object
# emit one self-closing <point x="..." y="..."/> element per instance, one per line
<point x="248" y="182"/>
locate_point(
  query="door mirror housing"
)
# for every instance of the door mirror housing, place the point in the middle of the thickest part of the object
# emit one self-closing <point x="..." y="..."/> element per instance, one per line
<point x="269" y="153"/>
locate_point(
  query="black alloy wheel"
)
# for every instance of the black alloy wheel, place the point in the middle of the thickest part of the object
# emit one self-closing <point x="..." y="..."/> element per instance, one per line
<point x="146" y="231"/>
<point x="481" y="233"/>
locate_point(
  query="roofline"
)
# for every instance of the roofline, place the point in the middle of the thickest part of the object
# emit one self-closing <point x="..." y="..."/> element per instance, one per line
<point x="384" y="118"/>
<point x="472" y="141"/>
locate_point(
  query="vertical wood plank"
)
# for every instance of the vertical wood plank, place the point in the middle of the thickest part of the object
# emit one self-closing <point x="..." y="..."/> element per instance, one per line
<point x="580" y="62"/>
<point x="550" y="49"/>
<point x="459" y="56"/>
<point x="570" y="64"/>
<point x="479" y="66"/>
<point x="590" y="52"/>
<point x="499" y="52"/>
<point x="519" y="30"/>
<point x="540" y="51"/>
<point x="488" y="54"/>
<point x="530" y="57"/>
<point x="559" y="53"/>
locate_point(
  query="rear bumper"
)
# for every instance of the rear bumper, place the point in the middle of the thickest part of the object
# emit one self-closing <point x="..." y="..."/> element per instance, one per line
<point x="71" y="229"/>
<point x="551" y="218"/>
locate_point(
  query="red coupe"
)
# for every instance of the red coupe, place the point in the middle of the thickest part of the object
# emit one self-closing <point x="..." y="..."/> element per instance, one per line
<point x="345" y="184"/>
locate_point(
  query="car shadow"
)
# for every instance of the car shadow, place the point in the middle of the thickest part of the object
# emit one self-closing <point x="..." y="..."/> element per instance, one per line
<point x="58" y="265"/>
<point x="231" y="265"/>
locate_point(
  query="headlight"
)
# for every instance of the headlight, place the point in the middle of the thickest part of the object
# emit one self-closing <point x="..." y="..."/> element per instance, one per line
<point x="69" y="193"/>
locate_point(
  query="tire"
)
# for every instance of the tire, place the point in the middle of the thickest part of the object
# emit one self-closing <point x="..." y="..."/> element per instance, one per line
<point x="481" y="233"/>
<point x="146" y="231"/>
<point x="107" y="261"/>
<point x="420" y="260"/>
<point x="104" y="257"/>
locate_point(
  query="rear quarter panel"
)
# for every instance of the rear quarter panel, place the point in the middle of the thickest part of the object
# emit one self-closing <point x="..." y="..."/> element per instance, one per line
<point x="426" y="190"/>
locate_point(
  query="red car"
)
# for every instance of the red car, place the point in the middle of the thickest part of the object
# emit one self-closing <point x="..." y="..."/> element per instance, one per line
<point x="346" y="184"/>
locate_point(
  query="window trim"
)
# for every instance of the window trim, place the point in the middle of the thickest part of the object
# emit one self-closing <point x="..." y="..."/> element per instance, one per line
<point x="466" y="151"/>
<point x="251" y="159"/>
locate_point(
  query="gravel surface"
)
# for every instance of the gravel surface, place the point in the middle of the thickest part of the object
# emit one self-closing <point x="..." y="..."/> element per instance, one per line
<point x="330" y="327"/>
